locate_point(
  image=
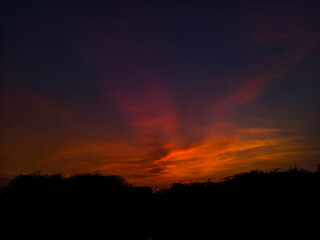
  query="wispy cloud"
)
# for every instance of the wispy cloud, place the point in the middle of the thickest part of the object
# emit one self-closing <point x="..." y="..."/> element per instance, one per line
<point x="215" y="156"/>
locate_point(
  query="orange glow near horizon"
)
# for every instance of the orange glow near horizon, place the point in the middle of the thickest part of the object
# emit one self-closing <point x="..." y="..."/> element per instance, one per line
<point x="158" y="151"/>
<point x="227" y="152"/>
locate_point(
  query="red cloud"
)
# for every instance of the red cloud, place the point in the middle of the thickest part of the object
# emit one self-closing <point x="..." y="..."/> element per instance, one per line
<point x="148" y="108"/>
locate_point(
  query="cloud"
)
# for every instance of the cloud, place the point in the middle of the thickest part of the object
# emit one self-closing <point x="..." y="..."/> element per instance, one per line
<point x="148" y="109"/>
<point x="217" y="155"/>
<point x="143" y="129"/>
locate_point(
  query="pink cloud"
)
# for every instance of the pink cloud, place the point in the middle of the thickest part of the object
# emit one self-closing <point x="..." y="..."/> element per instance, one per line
<point x="149" y="109"/>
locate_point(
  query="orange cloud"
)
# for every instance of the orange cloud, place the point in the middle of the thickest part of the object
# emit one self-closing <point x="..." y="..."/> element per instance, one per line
<point x="225" y="150"/>
<point x="220" y="156"/>
<point x="214" y="157"/>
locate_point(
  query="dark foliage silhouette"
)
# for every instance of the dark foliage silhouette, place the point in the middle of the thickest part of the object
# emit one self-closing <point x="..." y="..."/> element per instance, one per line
<point x="252" y="204"/>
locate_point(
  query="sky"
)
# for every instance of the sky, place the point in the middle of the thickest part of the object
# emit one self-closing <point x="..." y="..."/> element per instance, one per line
<point x="159" y="91"/>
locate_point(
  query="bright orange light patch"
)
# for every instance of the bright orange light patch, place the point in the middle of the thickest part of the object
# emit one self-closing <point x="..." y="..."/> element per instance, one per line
<point x="213" y="157"/>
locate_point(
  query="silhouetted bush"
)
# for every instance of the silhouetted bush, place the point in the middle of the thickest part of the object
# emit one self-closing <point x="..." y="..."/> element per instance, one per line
<point x="108" y="206"/>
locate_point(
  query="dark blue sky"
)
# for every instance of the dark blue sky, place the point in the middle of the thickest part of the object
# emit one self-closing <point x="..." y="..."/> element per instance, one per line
<point x="159" y="91"/>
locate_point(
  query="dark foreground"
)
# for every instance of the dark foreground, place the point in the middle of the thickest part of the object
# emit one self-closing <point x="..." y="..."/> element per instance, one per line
<point x="253" y="205"/>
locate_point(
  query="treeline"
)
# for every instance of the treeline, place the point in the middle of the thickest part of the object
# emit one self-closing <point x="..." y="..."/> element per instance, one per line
<point x="108" y="207"/>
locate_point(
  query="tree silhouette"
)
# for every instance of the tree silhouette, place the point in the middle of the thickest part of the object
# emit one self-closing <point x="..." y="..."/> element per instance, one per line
<point x="273" y="203"/>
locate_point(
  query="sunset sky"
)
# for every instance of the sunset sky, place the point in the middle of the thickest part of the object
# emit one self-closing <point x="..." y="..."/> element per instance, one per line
<point x="159" y="91"/>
